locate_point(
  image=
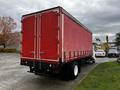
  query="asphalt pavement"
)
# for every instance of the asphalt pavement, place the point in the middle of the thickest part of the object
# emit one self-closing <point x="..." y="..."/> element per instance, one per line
<point x="104" y="59"/>
<point x="13" y="76"/>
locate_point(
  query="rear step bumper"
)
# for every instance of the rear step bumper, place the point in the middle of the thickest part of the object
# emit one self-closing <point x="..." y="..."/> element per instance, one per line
<point x="40" y="67"/>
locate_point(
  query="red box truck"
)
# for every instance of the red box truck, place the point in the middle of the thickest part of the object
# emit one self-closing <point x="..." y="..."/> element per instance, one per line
<point x="54" y="41"/>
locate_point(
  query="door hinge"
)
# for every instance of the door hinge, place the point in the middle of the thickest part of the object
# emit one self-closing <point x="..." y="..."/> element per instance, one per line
<point x="58" y="41"/>
<point x="58" y="28"/>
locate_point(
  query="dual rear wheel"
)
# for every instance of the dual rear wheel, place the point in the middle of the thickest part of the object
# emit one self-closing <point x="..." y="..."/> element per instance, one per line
<point x="74" y="70"/>
<point x="71" y="70"/>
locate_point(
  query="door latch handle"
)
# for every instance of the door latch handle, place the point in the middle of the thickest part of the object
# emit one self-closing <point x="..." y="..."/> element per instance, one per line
<point x="42" y="52"/>
<point x="33" y="52"/>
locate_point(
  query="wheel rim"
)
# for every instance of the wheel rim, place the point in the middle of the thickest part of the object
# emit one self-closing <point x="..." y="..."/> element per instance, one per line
<point x="76" y="70"/>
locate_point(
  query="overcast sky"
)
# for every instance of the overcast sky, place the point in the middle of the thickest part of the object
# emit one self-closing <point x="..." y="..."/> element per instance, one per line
<point x="102" y="17"/>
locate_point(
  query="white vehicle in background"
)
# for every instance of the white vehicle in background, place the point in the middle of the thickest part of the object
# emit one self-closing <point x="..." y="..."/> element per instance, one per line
<point x="113" y="52"/>
<point x="100" y="53"/>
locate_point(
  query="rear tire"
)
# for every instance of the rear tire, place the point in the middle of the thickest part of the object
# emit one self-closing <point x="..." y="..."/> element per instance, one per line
<point x="74" y="70"/>
<point x="70" y="71"/>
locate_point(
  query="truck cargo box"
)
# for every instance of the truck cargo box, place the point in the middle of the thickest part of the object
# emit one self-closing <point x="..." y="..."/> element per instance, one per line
<point x="53" y="37"/>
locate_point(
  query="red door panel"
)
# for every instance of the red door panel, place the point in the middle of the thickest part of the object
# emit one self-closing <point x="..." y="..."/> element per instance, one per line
<point x="49" y="36"/>
<point x="28" y="25"/>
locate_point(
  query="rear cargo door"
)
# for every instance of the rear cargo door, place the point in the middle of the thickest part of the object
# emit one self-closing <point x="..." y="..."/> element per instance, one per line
<point x="28" y="29"/>
<point x="49" y="48"/>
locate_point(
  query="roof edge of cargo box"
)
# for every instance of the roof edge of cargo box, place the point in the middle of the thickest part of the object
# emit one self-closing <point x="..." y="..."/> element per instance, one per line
<point x="75" y="20"/>
<point x="65" y="12"/>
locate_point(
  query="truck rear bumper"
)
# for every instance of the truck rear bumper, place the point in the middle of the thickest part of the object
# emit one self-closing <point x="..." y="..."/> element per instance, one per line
<point x="38" y="66"/>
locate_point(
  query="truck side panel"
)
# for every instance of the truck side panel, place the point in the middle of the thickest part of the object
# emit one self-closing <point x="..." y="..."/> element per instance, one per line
<point x="77" y="40"/>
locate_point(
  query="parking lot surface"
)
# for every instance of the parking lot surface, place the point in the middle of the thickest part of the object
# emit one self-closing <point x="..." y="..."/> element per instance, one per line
<point x="13" y="76"/>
